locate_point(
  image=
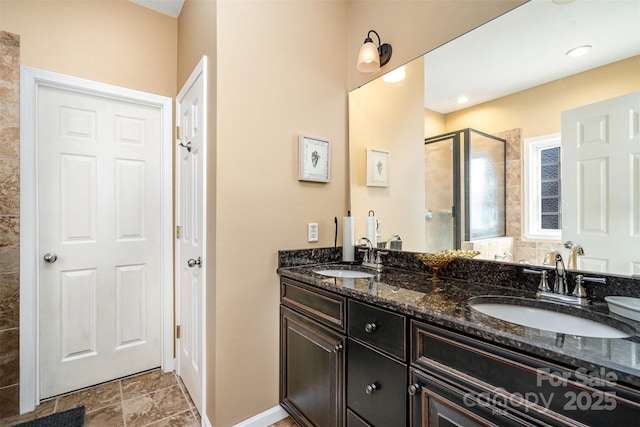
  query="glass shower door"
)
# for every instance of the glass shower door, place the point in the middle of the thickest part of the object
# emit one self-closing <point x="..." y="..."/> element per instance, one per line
<point x="485" y="191"/>
<point x="440" y="192"/>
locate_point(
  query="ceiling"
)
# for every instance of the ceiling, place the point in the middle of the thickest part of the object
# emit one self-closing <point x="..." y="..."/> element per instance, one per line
<point x="526" y="47"/>
<point x="167" y="7"/>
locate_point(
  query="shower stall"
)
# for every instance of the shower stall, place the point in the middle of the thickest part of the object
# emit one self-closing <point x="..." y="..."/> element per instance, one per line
<point x="465" y="188"/>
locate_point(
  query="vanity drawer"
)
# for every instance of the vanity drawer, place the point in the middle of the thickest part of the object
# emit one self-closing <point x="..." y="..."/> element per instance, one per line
<point x="325" y="307"/>
<point x="380" y="328"/>
<point x="567" y="396"/>
<point x="376" y="386"/>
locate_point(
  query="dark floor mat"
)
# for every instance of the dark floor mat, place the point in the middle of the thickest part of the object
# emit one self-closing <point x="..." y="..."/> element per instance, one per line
<point x="71" y="418"/>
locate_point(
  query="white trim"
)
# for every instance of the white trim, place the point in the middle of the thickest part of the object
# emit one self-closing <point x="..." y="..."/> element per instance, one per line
<point x="30" y="80"/>
<point x="266" y="418"/>
<point x="200" y="70"/>
<point x="531" y="208"/>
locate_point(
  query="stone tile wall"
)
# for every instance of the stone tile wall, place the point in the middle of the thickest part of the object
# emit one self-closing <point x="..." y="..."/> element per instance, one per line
<point x="530" y="250"/>
<point x="9" y="222"/>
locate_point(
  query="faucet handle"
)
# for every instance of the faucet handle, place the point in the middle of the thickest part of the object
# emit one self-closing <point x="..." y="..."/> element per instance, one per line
<point x="601" y="280"/>
<point x="543" y="285"/>
<point x="378" y="256"/>
<point x="365" y="257"/>
<point x="578" y="290"/>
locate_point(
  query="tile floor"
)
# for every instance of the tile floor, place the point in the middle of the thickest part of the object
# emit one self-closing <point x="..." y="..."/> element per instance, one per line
<point x="287" y="422"/>
<point x="153" y="398"/>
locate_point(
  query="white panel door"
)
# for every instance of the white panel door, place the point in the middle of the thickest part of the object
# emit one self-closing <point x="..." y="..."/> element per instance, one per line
<point x="601" y="183"/>
<point x="99" y="203"/>
<point x="190" y="249"/>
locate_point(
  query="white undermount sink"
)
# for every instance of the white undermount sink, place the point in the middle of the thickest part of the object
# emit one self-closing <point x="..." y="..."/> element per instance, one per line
<point x="346" y="274"/>
<point x="521" y="312"/>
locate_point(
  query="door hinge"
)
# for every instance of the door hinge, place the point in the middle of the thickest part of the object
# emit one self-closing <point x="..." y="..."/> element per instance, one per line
<point x="178" y="332"/>
<point x="178" y="133"/>
<point x="178" y="232"/>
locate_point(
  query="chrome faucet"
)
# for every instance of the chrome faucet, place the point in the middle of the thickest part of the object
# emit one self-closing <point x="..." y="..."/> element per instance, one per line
<point x="370" y="258"/>
<point x="550" y="257"/>
<point x="395" y="242"/>
<point x="559" y="291"/>
<point x="575" y="249"/>
<point x="560" y="282"/>
<point x="368" y="253"/>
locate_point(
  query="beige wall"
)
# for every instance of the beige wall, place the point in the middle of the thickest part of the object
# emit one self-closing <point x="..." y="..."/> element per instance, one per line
<point x="434" y="123"/>
<point x="109" y="41"/>
<point x="388" y="116"/>
<point x="537" y="110"/>
<point x="270" y="87"/>
<point x="414" y="27"/>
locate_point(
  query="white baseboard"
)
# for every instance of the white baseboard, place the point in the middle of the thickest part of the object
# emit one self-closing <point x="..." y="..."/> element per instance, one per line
<point x="266" y="418"/>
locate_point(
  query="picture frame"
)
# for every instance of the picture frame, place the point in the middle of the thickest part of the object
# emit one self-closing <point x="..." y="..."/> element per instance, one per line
<point x="377" y="168"/>
<point x="314" y="159"/>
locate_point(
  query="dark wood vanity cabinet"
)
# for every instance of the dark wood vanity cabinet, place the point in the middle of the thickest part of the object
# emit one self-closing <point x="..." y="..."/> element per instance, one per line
<point x="348" y="363"/>
<point x="334" y="375"/>
<point x="312" y="355"/>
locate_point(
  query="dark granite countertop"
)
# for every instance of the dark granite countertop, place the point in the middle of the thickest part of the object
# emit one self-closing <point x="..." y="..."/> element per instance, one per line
<point x="444" y="303"/>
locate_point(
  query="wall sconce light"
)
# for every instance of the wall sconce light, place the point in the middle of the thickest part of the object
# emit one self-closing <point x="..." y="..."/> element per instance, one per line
<point x="370" y="58"/>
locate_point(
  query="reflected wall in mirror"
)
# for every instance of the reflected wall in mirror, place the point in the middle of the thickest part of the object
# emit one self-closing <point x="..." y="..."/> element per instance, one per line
<point x="394" y="117"/>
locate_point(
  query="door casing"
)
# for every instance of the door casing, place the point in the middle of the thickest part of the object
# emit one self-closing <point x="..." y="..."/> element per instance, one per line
<point x="30" y="80"/>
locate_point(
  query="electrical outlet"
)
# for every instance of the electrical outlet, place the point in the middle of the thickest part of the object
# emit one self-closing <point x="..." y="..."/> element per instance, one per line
<point x="312" y="232"/>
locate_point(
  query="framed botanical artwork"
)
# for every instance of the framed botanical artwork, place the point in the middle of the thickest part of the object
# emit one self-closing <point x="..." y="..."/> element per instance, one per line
<point x="314" y="159"/>
<point x="377" y="168"/>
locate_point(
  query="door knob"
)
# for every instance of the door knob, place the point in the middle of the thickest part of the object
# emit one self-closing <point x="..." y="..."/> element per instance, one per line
<point x="193" y="262"/>
<point x="50" y="257"/>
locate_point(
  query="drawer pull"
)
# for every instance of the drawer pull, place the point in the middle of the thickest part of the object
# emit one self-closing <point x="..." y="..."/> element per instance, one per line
<point x="337" y="348"/>
<point x="370" y="327"/>
<point x="414" y="389"/>
<point x="371" y="388"/>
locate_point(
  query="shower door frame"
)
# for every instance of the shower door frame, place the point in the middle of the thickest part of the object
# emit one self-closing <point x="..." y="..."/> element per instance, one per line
<point x="461" y="169"/>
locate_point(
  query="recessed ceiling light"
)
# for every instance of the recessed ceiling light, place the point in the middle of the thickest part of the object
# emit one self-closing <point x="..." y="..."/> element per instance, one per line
<point x="394" y="76"/>
<point x="462" y="100"/>
<point x="579" y="51"/>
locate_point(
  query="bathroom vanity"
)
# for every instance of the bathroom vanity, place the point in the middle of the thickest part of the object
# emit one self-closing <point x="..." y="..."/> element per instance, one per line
<point x="398" y="349"/>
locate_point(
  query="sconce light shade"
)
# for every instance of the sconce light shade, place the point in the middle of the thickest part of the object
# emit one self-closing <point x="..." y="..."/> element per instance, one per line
<point x="370" y="58"/>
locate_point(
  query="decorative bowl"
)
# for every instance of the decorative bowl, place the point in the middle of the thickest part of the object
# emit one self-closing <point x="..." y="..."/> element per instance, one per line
<point x="440" y="259"/>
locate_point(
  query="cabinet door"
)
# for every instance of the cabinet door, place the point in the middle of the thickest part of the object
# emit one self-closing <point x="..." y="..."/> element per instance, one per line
<point x="434" y="403"/>
<point x="376" y="386"/>
<point x="311" y="371"/>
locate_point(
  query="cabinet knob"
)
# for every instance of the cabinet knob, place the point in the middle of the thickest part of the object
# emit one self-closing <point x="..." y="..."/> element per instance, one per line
<point x="337" y="348"/>
<point x="371" y="388"/>
<point x="370" y="327"/>
<point x="414" y="389"/>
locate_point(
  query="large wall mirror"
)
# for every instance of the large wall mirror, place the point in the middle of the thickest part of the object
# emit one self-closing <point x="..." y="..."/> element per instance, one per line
<point x="521" y="87"/>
